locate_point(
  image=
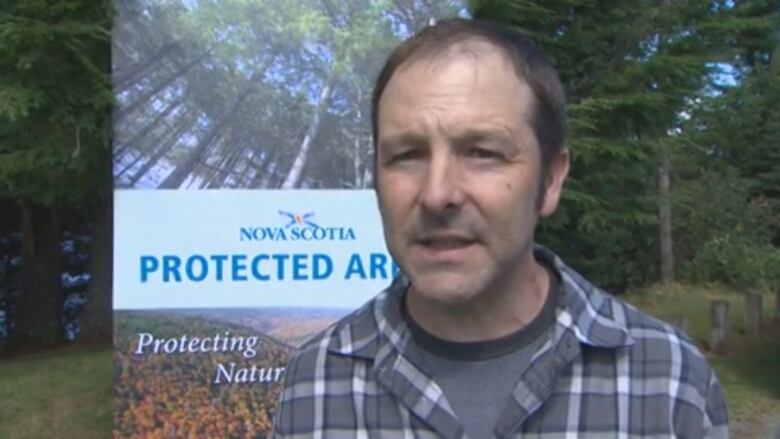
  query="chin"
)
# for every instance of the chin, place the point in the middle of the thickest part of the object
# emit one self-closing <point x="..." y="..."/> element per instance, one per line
<point x="446" y="289"/>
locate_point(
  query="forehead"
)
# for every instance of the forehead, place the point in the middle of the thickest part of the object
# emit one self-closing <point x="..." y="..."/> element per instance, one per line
<point x="427" y="63"/>
<point x="465" y="85"/>
<point x="439" y="51"/>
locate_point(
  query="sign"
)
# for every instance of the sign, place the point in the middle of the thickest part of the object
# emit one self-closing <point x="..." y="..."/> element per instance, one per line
<point x="244" y="217"/>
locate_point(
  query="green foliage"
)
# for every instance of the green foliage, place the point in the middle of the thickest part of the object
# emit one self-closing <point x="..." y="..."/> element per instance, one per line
<point x="631" y="86"/>
<point x="741" y="128"/>
<point x="54" y="99"/>
<point x="716" y="201"/>
<point x="728" y="190"/>
<point x="736" y="261"/>
<point x="727" y="197"/>
<point x="626" y="85"/>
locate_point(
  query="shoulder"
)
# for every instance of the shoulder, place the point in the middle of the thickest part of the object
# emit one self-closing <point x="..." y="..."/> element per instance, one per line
<point x="318" y="374"/>
<point x="661" y="348"/>
<point x="664" y="362"/>
<point x="656" y="349"/>
<point x="655" y="362"/>
<point x="658" y="365"/>
<point x="328" y="354"/>
<point x="658" y="353"/>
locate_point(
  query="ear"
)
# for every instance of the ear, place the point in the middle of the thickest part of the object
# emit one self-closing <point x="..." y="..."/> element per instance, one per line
<point x="553" y="184"/>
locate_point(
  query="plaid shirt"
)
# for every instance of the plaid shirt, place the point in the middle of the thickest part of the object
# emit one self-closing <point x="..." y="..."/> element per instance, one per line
<point x="607" y="371"/>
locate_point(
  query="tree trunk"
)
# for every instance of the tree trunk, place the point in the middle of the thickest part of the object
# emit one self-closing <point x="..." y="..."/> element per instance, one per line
<point x="719" y="325"/>
<point x="777" y="303"/>
<point x="187" y="165"/>
<point x="122" y="112"/>
<point x="753" y="312"/>
<point x="97" y="318"/>
<point x="774" y="61"/>
<point x="241" y="180"/>
<point x="356" y="164"/>
<point x="261" y="177"/>
<point x="271" y="177"/>
<point x="368" y="176"/>
<point x="136" y="139"/>
<point x="5" y="265"/>
<point x="209" y="181"/>
<point x="9" y="223"/>
<point x="183" y="169"/>
<point x="295" y="173"/>
<point x="665" y="218"/>
<point x="123" y="79"/>
<point x="226" y="169"/>
<point x="227" y="161"/>
<point x="39" y="307"/>
<point x="163" y="147"/>
<point x="177" y="177"/>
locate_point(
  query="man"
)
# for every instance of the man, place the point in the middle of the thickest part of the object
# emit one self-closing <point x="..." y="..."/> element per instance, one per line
<point x="486" y="334"/>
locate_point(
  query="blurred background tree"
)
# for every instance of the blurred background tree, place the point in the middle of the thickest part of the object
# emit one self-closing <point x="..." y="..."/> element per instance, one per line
<point x="673" y="128"/>
<point x="55" y="100"/>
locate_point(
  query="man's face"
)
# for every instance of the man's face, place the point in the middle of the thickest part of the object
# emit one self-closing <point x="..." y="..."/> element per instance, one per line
<point x="458" y="175"/>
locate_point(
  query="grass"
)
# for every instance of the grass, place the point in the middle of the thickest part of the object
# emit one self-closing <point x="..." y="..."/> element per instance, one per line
<point x="66" y="393"/>
<point x="749" y="371"/>
<point x="62" y="393"/>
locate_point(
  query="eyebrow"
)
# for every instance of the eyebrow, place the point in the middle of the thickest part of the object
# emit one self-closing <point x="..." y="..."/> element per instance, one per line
<point x="501" y="137"/>
<point x="406" y="138"/>
<point x="497" y="136"/>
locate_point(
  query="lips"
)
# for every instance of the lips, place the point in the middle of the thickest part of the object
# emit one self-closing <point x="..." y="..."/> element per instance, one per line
<point x="446" y="243"/>
<point x="444" y="248"/>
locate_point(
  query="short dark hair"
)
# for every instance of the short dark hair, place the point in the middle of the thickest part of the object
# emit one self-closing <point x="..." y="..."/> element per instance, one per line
<point x="530" y="64"/>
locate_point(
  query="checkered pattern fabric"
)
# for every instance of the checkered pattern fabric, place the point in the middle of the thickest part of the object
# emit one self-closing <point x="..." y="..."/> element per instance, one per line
<point x="607" y="371"/>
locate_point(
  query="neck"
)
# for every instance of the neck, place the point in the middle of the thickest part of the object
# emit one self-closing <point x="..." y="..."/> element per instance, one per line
<point x="498" y="311"/>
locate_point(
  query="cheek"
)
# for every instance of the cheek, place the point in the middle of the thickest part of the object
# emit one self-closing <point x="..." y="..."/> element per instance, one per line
<point x="396" y="187"/>
<point x="394" y="202"/>
<point x="511" y="204"/>
<point x="523" y="187"/>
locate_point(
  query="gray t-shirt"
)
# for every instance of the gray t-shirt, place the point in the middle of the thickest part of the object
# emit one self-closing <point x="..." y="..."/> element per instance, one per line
<point x="477" y="378"/>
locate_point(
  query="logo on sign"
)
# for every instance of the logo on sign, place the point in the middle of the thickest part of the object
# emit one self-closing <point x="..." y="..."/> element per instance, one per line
<point x="297" y="227"/>
<point x="297" y="219"/>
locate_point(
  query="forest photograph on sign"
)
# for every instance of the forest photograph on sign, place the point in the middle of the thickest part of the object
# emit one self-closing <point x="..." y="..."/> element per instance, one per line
<point x="243" y="215"/>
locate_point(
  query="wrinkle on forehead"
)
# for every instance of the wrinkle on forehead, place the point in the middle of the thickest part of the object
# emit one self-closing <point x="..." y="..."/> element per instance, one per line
<point x="473" y="47"/>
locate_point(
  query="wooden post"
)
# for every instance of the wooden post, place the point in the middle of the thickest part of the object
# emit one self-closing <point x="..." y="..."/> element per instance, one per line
<point x="753" y="314"/>
<point x="777" y="303"/>
<point x="719" y="325"/>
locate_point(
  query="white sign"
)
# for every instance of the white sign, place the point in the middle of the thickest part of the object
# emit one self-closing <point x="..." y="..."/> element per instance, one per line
<point x="248" y="248"/>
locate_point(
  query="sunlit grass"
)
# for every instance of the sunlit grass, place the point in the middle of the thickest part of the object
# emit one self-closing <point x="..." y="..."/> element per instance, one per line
<point x="63" y="393"/>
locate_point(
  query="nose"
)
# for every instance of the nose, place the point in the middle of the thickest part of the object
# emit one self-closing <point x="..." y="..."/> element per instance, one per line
<point x="442" y="188"/>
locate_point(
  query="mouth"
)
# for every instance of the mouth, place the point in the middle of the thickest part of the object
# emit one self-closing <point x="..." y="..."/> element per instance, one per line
<point x="445" y="242"/>
<point x="445" y="247"/>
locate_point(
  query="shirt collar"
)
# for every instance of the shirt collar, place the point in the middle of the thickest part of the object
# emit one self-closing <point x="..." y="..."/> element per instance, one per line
<point x="594" y="316"/>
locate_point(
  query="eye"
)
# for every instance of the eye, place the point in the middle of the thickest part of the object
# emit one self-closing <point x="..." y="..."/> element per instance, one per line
<point x="483" y="154"/>
<point x="405" y="156"/>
